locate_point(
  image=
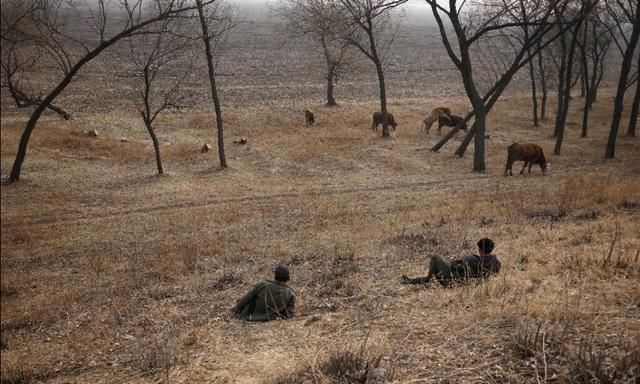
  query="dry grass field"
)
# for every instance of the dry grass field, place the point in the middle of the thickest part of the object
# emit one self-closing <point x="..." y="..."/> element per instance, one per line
<point x="111" y="274"/>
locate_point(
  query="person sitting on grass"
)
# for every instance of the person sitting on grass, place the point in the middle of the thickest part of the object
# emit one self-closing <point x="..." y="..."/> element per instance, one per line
<point x="469" y="267"/>
<point x="268" y="300"/>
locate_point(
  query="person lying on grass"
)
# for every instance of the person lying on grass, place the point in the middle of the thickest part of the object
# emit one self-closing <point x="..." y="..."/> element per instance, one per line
<point x="268" y="300"/>
<point x="459" y="270"/>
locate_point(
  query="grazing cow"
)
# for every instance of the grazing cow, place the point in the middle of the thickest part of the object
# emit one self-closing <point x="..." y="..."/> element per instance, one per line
<point x="377" y="119"/>
<point x="433" y="116"/>
<point x="529" y="153"/>
<point x="308" y="117"/>
<point x="450" y="121"/>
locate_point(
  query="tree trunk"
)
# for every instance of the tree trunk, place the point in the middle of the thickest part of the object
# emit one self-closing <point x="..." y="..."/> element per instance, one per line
<point x="610" y="150"/>
<point x="383" y="101"/>
<point x="212" y="82"/>
<point x="331" y="72"/>
<point x="543" y="84"/>
<point x="156" y="145"/>
<point x="462" y="148"/>
<point x="534" y="96"/>
<point x="532" y="77"/>
<point x="561" y="85"/>
<point x="331" y="101"/>
<point x="594" y="96"/>
<point x="633" y="119"/>
<point x="478" y="142"/>
<point x="595" y="68"/>
<point x="583" y="87"/>
<point x="452" y="133"/>
<point x="567" y="90"/>
<point x="585" y="82"/>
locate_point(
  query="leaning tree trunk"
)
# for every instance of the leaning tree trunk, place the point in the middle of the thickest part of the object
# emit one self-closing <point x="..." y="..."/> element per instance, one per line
<point x="462" y="148"/>
<point x="156" y="145"/>
<point x="35" y="116"/>
<point x="610" y="150"/>
<point x="212" y="82"/>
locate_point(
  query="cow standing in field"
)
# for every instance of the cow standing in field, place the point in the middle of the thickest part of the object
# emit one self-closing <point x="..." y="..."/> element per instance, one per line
<point x="377" y="119"/>
<point x="433" y="116"/>
<point x="309" y="118"/>
<point x="451" y="121"/>
<point x="529" y="153"/>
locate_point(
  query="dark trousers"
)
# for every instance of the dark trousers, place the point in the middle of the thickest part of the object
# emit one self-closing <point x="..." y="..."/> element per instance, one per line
<point x="439" y="269"/>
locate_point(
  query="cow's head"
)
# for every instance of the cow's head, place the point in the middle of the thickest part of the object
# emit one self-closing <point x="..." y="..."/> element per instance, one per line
<point x="545" y="167"/>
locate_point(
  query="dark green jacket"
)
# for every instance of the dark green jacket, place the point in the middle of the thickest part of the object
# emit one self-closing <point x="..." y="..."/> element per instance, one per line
<point x="268" y="300"/>
<point x="474" y="266"/>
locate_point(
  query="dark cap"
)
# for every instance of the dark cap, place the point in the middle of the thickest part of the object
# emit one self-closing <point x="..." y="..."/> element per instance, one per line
<point x="486" y="245"/>
<point x="282" y="273"/>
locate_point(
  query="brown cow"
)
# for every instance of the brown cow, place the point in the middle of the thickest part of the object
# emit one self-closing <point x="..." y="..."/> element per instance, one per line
<point x="377" y="119"/>
<point x="450" y="121"/>
<point x="433" y="116"/>
<point x="529" y="153"/>
<point x="308" y="117"/>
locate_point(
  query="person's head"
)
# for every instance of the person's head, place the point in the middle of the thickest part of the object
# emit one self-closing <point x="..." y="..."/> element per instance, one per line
<point x="282" y="274"/>
<point x="485" y="246"/>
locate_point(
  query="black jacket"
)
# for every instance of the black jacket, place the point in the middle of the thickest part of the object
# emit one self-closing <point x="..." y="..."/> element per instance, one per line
<point x="474" y="266"/>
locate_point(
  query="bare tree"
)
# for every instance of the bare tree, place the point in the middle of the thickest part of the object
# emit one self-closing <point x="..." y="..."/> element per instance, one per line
<point x="321" y="21"/>
<point x="21" y="52"/>
<point x="151" y="55"/>
<point x="594" y="46"/>
<point x="367" y="21"/>
<point x="566" y="83"/>
<point x="484" y="22"/>
<point x="71" y="53"/>
<point x="626" y="15"/>
<point x="215" y="22"/>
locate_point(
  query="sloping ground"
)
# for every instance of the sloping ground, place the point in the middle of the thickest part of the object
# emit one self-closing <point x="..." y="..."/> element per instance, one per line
<point x="111" y="274"/>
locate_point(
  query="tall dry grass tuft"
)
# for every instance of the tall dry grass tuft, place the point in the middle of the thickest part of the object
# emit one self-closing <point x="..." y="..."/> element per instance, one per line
<point x="581" y="191"/>
<point x="157" y="358"/>
<point x="349" y="364"/>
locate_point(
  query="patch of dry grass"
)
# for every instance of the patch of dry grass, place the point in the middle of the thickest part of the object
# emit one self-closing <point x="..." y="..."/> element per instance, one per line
<point x="112" y="274"/>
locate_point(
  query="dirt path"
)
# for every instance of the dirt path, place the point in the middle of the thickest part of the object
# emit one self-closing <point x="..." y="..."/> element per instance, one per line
<point x="44" y="220"/>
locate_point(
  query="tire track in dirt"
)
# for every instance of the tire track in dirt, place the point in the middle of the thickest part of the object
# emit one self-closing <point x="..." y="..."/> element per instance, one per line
<point x="248" y="198"/>
<point x="275" y="196"/>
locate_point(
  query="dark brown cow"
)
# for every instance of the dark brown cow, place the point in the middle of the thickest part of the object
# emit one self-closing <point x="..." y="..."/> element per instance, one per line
<point x="308" y="117"/>
<point x="450" y="121"/>
<point x="529" y="153"/>
<point x="377" y="119"/>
